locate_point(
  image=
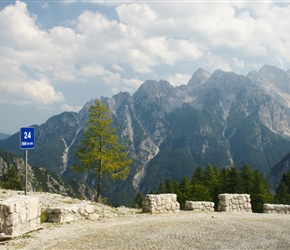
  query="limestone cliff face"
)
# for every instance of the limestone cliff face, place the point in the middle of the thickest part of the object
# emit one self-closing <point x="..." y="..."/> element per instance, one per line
<point x="221" y="118"/>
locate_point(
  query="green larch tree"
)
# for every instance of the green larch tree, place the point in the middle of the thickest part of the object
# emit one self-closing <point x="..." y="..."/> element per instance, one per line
<point x="100" y="151"/>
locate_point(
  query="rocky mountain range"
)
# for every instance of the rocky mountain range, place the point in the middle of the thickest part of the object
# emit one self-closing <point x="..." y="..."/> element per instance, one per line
<point x="40" y="179"/>
<point x="221" y="118"/>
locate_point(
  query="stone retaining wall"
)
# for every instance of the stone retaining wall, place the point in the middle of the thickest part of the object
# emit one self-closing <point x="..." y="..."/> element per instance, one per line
<point x="19" y="215"/>
<point x="276" y="208"/>
<point x="234" y="203"/>
<point x="70" y="212"/>
<point x="199" y="206"/>
<point x="160" y="203"/>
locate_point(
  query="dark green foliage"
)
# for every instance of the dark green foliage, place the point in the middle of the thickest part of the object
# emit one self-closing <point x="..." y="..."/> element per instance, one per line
<point x="248" y="179"/>
<point x="260" y="193"/>
<point x="234" y="181"/>
<point x="162" y="189"/>
<point x="282" y="194"/>
<point x="138" y="200"/>
<point x="207" y="184"/>
<point x="11" y="179"/>
<point x="169" y="186"/>
<point x="283" y="190"/>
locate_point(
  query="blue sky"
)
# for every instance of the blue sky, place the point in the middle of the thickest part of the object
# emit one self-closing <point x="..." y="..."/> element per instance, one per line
<point x="57" y="55"/>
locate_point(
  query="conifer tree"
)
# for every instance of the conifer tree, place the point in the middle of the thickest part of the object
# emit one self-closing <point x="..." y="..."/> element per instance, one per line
<point x="138" y="200"/>
<point x="175" y="186"/>
<point x="185" y="190"/>
<point x="200" y="189"/>
<point x="168" y="186"/>
<point x="234" y="181"/>
<point x="161" y="189"/>
<point x="282" y="195"/>
<point x="11" y="179"/>
<point x="283" y="190"/>
<point x="100" y="151"/>
<point x="248" y="180"/>
<point x="260" y="192"/>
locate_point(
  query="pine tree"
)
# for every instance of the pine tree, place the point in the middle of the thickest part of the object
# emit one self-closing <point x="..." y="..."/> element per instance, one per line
<point x="11" y="179"/>
<point x="200" y="187"/>
<point x="248" y="179"/>
<point x="185" y="190"/>
<point x="260" y="192"/>
<point x="168" y="186"/>
<point x="138" y="200"/>
<point x="234" y="181"/>
<point x="161" y="189"/>
<point x="283" y="190"/>
<point x="198" y="176"/>
<point x="100" y="151"/>
<point x="282" y="194"/>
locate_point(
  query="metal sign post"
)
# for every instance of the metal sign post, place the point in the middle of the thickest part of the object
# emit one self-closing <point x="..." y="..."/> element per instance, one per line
<point x="26" y="142"/>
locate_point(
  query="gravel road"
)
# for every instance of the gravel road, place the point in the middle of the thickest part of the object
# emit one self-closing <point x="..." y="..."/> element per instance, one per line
<point x="183" y="230"/>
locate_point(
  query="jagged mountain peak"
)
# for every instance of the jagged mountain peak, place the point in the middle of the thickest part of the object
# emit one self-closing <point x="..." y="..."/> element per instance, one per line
<point x="272" y="77"/>
<point x="154" y="88"/>
<point x="161" y="93"/>
<point x="269" y="70"/>
<point x="252" y="74"/>
<point x="199" y="77"/>
<point x="228" y="82"/>
<point x="114" y="103"/>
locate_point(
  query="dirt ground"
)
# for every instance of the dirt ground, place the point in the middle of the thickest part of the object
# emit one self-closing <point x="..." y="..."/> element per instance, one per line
<point x="183" y="230"/>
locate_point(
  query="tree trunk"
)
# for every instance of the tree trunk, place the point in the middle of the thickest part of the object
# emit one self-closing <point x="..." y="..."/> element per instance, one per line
<point x="99" y="181"/>
<point x="100" y="173"/>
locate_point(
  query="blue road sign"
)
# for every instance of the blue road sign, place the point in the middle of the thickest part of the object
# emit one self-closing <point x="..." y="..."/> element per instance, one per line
<point x="26" y="138"/>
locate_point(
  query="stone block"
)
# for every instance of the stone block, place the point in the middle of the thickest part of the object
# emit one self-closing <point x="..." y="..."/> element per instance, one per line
<point x="234" y="203"/>
<point x="18" y="215"/>
<point x="160" y="203"/>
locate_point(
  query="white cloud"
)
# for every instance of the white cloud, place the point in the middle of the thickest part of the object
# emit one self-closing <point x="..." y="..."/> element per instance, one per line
<point x="178" y="79"/>
<point x="238" y="63"/>
<point x="117" y="67"/>
<point x="212" y="62"/>
<point x="66" y="107"/>
<point x="131" y="85"/>
<point x="147" y="35"/>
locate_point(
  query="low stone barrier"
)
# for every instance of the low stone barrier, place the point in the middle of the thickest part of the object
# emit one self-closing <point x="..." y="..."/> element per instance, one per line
<point x="70" y="213"/>
<point x="234" y="203"/>
<point x="276" y="208"/>
<point x="19" y="215"/>
<point x="160" y="203"/>
<point x="199" y="206"/>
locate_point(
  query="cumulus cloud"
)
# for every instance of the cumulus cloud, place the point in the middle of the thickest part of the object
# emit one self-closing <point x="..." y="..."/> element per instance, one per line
<point x="144" y="37"/>
<point x="178" y="79"/>
<point x="67" y="107"/>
